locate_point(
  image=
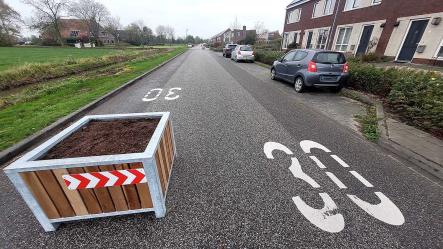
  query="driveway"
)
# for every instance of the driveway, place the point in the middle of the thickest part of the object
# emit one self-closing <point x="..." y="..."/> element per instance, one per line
<point x="226" y="191"/>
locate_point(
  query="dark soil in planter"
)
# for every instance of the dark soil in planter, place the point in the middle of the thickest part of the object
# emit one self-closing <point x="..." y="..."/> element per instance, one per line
<point x="105" y="138"/>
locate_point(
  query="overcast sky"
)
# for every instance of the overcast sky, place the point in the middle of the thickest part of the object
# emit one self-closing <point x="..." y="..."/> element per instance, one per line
<point x="204" y="18"/>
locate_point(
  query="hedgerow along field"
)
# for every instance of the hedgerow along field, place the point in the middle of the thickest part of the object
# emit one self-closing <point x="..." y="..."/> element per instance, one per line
<point x="17" y="56"/>
<point x="35" y="107"/>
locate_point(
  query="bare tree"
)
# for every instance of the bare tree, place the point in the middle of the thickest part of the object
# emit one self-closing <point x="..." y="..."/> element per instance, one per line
<point x="161" y="32"/>
<point x="260" y="27"/>
<point x="170" y="33"/>
<point x="47" y="16"/>
<point x="235" y="24"/>
<point x="93" y="13"/>
<point x="10" y="21"/>
<point x="112" y="25"/>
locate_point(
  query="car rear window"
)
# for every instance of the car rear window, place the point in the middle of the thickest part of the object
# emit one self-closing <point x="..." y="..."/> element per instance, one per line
<point x="330" y="58"/>
<point x="246" y="48"/>
<point x="232" y="46"/>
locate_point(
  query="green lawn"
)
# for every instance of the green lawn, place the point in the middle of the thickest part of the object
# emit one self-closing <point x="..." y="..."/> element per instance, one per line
<point x="16" y="56"/>
<point x="65" y="96"/>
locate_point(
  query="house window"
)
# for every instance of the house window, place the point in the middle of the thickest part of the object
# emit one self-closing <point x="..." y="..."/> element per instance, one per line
<point x="343" y="39"/>
<point x="74" y="33"/>
<point x="314" y="10"/>
<point x="289" y="38"/>
<point x="352" y="4"/>
<point x="294" y="16"/>
<point x="322" y="38"/>
<point x="329" y="7"/>
<point x="309" y="40"/>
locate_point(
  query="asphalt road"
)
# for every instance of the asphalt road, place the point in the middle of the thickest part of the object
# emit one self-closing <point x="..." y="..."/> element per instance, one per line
<point x="226" y="193"/>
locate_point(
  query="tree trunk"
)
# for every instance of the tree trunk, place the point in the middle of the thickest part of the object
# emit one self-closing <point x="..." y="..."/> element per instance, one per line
<point x="58" y="34"/>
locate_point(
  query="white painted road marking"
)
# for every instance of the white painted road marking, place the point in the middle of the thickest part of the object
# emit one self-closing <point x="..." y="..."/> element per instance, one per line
<point x="385" y="211"/>
<point x="319" y="164"/>
<point x="341" y="162"/>
<point x="361" y="179"/>
<point x="171" y="95"/>
<point x="336" y="180"/>
<point x="322" y="218"/>
<point x="171" y="92"/>
<point x="297" y="171"/>
<point x="269" y="147"/>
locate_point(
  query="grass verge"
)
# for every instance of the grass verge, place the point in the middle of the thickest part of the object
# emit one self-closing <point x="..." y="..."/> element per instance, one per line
<point x="60" y="98"/>
<point x="369" y="124"/>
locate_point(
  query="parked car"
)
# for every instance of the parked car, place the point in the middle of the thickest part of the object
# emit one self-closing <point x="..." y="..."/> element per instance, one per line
<point x="312" y="67"/>
<point x="243" y="53"/>
<point x="190" y="45"/>
<point x="227" y="50"/>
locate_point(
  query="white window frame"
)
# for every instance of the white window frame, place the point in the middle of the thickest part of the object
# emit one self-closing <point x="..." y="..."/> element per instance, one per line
<point x="286" y="35"/>
<point x="76" y="32"/>
<point x="313" y="9"/>
<point x="350" y="4"/>
<point x="342" y="43"/>
<point x="438" y="49"/>
<point x="331" y="7"/>
<point x="322" y="45"/>
<point x="290" y="16"/>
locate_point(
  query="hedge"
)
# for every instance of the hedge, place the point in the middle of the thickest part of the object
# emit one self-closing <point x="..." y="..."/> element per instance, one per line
<point x="415" y="96"/>
<point x="267" y="57"/>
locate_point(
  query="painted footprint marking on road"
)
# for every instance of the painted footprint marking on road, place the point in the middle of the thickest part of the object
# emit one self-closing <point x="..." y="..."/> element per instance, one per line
<point x="327" y="218"/>
<point x="171" y="95"/>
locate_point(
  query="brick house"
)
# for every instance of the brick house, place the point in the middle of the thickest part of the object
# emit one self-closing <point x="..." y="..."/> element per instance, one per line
<point x="268" y="36"/>
<point x="406" y="30"/>
<point x="76" y="30"/>
<point x="232" y="36"/>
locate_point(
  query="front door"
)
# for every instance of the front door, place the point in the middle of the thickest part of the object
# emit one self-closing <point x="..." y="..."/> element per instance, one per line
<point x="412" y="39"/>
<point x="364" y="40"/>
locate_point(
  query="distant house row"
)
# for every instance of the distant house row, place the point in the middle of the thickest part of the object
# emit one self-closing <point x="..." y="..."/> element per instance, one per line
<point x="77" y="30"/>
<point x="240" y="36"/>
<point x="406" y="30"/>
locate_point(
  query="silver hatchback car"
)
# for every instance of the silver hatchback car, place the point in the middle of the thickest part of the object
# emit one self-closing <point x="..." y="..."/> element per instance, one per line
<point x="311" y="67"/>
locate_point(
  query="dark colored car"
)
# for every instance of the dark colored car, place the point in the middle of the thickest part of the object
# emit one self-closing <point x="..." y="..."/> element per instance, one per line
<point x="227" y="50"/>
<point x="310" y="67"/>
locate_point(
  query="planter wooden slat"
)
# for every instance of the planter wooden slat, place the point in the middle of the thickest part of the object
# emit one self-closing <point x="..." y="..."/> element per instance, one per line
<point x="74" y="197"/>
<point x="87" y="195"/>
<point x="116" y="192"/>
<point x="43" y="187"/>
<point x="161" y="169"/>
<point x="31" y="179"/>
<point x="102" y="194"/>
<point x="54" y="191"/>
<point x="130" y="192"/>
<point x="142" y="190"/>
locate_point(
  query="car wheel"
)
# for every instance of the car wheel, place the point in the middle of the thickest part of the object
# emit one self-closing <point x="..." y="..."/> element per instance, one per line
<point x="299" y="85"/>
<point x="273" y="74"/>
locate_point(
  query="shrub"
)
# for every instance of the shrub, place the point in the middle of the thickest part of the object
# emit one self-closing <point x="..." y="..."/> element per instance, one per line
<point x="418" y="99"/>
<point x="415" y="96"/>
<point x="267" y="57"/>
<point x="370" y="57"/>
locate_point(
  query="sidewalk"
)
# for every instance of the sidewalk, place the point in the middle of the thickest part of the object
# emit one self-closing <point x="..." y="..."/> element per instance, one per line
<point x="414" y="145"/>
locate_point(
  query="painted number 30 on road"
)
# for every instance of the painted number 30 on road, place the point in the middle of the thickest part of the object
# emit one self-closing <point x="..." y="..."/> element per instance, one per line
<point x="153" y="94"/>
<point x="327" y="218"/>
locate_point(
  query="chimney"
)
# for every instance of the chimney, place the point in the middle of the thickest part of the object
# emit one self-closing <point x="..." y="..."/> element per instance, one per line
<point x="244" y="28"/>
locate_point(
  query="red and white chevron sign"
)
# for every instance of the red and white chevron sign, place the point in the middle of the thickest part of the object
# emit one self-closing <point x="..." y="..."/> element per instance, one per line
<point x="105" y="179"/>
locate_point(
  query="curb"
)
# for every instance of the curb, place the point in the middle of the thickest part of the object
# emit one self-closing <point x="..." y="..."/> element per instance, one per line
<point x="262" y="64"/>
<point x="18" y="148"/>
<point x="385" y="142"/>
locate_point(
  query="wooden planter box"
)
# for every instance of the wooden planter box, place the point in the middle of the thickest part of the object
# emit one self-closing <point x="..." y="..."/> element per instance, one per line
<point x="43" y="184"/>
